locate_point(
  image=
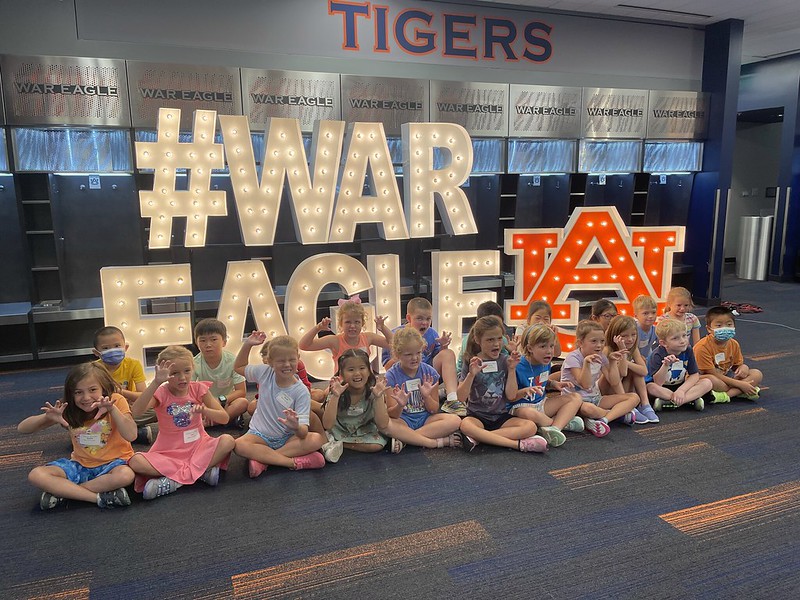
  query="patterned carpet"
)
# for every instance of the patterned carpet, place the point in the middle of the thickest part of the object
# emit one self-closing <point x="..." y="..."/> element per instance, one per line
<point x="703" y="505"/>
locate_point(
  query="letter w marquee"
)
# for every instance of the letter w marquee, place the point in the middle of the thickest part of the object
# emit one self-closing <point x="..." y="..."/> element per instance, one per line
<point x="594" y="251"/>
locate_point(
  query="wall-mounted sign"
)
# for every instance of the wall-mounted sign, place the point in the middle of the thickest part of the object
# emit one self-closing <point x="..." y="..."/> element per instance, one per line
<point x="480" y="108"/>
<point x="614" y="113"/>
<point x="188" y="87"/>
<point x="541" y="111"/>
<point x="677" y="115"/>
<point x="61" y="90"/>
<point x="388" y="100"/>
<point x="308" y="97"/>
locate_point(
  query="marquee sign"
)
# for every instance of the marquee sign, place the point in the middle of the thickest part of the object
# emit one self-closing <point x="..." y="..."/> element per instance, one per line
<point x="594" y="251"/>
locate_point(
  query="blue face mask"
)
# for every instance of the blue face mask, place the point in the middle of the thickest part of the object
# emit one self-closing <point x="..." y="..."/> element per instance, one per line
<point x="112" y="356"/>
<point x="723" y="334"/>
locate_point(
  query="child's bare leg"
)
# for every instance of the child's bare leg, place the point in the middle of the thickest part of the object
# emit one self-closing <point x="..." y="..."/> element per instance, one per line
<point x="300" y="447"/>
<point x="619" y="405"/>
<point x="537" y="417"/>
<point x="315" y="424"/>
<point x="440" y="425"/>
<point x="639" y="386"/>
<point x="225" y="446"/>
<point x="116" y="478"/>
<point x="445" y="364"/>
<point x="592" y="411"/>
<point x="252" y="447"/>
<point x="702" y="387"/>
<point x="754" y="376"/>
<point x="399" y="429"/>
<point x="53" y="480"/>
<point x="363" y="447"/>
<point x="236" y="409"/>
<point x="142" y="466"/>
<point x="507" y="436"/>
<point x="659" y="391"/>
<point x="563" y="408"/>
<point x="251" y="407"/>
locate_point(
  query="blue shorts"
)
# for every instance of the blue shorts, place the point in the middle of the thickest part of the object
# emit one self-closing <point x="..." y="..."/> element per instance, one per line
<point x="79" y="474"/>
<point x="273" y="442"/>
<point x="415" y="420"/>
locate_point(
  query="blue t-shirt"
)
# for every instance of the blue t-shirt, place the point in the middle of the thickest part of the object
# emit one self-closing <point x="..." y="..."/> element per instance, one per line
<point x="529" y="375"/>
<point x="430" y="350"/>
<point x="647" y="341"/>
<point x="678" y="371"/>
<point x="396" y="376"/>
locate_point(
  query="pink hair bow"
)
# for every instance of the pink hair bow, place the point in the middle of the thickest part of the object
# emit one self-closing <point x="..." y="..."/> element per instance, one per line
<point x="354" y="299"/>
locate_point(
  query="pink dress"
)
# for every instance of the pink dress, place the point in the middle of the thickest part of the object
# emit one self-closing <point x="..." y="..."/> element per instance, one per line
<point x="183" y="450"/>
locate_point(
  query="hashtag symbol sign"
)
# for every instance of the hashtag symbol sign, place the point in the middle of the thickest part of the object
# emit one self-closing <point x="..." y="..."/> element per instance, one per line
<point x="164" y="156"/>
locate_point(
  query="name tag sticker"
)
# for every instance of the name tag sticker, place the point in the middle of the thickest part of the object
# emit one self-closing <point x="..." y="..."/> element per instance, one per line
<point x="543" y="377"/>
<point x="412" y="385"/>
<point x="191" y="435"/>
<point x="89" y="439"/>
<point x="594" y="368"/>
<point x="489" y="366"/>
<point x="284" y="399"/>
<point x="719" y="357"/>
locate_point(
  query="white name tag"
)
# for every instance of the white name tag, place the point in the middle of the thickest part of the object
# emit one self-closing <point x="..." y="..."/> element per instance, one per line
<point x="719" y="358"/>
<point x="284" y="399"/>
<point x="594" y="368"/>
<point x="191" y="435"/>
<point x="355" y="411"/>
<point x="543" y="377"/>
<point x="89" y="439"/>
<point x="412" y="385"/>
<point x="489" y="366"/>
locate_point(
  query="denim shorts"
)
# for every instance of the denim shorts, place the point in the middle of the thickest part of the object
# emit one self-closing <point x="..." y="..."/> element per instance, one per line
<point x="415" y="420"/>
<point x="273" y="442"/>
<point x="77" y="473"/>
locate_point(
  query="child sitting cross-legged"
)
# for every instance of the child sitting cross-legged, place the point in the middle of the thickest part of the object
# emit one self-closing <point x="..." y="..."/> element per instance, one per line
<point x="719" y="358"/>
<point x="673" y="378"/>
<point x="413" y="398"/>
<point x="278" y="432"/>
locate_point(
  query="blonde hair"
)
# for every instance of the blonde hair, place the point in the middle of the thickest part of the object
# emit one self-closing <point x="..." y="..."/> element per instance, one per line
<point x="536" y="334"/>
<point x="351" y="308"/>
<point x="481" y="326"/>
<point x="669" y="326"/>
<point x="416" y="304"/>
<point x="584" y="327"/>
<point x="281" y="342"/>
<point x="643" y="302"/>
<point x="406" y="337"/>
<point x="176" y="353"/>
<point x="678" y="292"/>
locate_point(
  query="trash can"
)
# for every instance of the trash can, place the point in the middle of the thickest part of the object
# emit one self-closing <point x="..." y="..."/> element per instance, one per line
<point x="752" y="260"/>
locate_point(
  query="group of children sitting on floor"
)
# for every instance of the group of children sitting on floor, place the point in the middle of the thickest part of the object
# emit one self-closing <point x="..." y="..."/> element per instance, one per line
<point x="622" y="368"/>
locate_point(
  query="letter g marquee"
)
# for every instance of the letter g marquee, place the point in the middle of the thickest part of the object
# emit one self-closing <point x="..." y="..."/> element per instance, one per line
<point x="594" y="251"/>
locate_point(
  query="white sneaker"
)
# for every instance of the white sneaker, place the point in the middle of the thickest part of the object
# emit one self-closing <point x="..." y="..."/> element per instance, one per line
<point x="332" y="451"/>
<point x="159" y="486"/>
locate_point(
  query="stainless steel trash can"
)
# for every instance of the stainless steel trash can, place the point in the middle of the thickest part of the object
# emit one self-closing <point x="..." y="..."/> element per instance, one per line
<point x="752" y="260"/>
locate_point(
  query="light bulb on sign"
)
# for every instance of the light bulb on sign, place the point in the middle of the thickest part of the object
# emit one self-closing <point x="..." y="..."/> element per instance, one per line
<point x="285" y="159"/>
<point x="169" y="202"/>
<point x="446" y="295"/>
<point x="343" y="270"/>
<point x="121" y="305"/>
<point x="382" y="186"/>
<point x="425" y="185"/>
<point x="386" y="268"/>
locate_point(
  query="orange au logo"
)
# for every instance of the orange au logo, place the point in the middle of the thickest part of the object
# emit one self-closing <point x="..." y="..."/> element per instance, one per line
<point x="595" y="252"/>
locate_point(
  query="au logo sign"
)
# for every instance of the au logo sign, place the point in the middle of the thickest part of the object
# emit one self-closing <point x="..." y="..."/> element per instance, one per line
<point x="594" y="252"/>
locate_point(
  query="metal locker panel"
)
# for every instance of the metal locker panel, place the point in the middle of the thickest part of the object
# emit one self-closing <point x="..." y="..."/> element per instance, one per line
<point x="14" y="268"/>
<point x="617" y="191"/>
<point x="543" y="205"/>
<point x="668" y="203"/>
<point x="94" y="228"/>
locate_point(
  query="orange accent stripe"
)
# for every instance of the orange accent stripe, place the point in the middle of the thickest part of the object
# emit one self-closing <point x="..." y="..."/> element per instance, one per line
<point x="16" y="461"/>
<point x="614" y="469"/>
<point x="738" y="512"/>
<point x="671" y="433"/>
<point x="67" y="587"/>
<point x="769" y="356"/>
<point x="301" y="576"/>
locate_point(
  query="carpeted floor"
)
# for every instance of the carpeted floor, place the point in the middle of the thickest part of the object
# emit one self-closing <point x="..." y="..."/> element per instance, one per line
<point x="703" y="505"/>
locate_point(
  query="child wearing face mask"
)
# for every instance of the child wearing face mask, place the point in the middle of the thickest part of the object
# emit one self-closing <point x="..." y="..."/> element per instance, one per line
<point x="719" y="358"/>
<point x="110" y="348"/>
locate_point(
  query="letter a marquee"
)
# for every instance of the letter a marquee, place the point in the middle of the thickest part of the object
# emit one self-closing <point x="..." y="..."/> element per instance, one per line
<point x="594" y="251"/>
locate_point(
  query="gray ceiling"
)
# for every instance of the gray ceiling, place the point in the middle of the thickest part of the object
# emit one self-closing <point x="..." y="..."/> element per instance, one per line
<point x="771" y="27"/>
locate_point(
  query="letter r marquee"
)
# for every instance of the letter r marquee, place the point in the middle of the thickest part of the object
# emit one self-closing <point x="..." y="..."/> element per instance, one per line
<point x="594" y="251"/>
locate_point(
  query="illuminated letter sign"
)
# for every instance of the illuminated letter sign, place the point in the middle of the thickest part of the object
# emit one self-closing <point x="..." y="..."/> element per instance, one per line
<point x="595" y="251"/>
